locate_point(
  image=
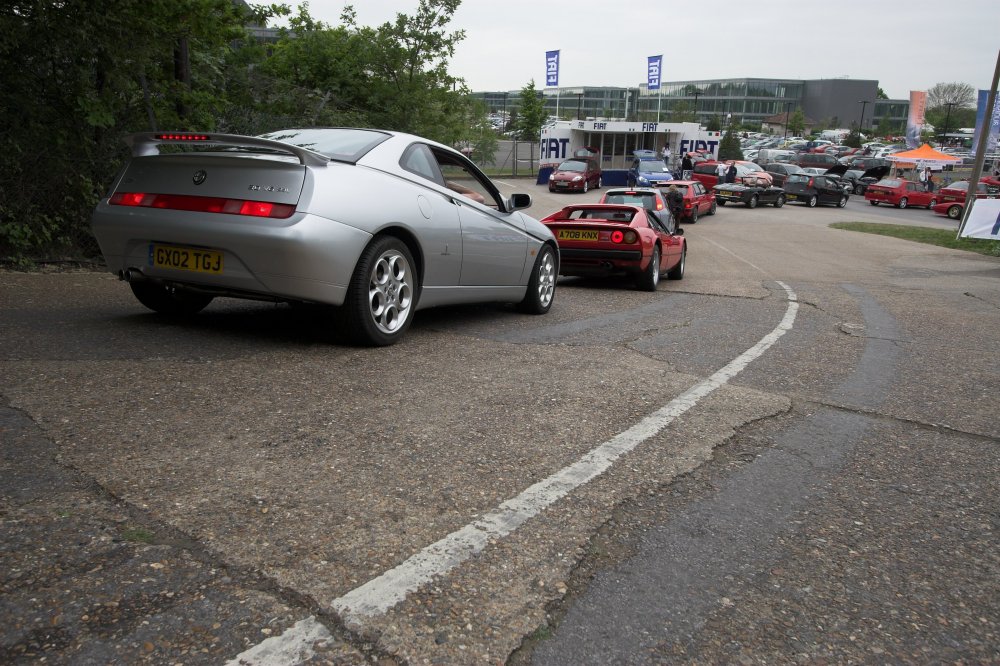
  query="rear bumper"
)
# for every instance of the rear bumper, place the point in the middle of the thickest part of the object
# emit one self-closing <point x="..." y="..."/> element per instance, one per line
<point x="305" y="257"/>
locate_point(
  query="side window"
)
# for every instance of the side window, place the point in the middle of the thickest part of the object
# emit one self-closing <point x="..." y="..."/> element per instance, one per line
<point x="462" y="177"/>
<point x="699" y="189"/>
<point x="418" y="159"/>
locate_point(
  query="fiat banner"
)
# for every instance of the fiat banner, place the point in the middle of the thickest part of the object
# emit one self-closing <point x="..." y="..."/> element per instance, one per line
<point x="990" y="121"/>
<point x="984" y="220"/>
<point x="653" y="65"/>
<point x="552" y="69"/>
<point x="915" y="121"/>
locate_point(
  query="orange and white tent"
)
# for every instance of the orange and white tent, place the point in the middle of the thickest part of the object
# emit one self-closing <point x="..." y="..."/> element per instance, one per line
<point x="923" y="156"/>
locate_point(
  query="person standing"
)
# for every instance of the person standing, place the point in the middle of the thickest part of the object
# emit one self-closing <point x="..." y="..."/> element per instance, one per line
<point x="686" y="167"/>
<point x="923" y="177"/>
<point x="665" y="154"/>
<point x="675" y="202"/>
<point x="720" y="171"/>
<point x="731" y="173"/>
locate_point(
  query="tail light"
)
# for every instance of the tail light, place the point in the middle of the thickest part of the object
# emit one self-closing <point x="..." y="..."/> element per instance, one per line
<point x="628" y="237"/>
<point x="203" y="204"/>
<point x="810" y="182"/>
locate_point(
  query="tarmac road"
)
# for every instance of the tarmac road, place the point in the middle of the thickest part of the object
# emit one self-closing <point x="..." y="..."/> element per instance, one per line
<point x="214" y="490"/>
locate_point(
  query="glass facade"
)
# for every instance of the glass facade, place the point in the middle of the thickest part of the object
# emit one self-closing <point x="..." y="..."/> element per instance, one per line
<point x="748" y="101"/>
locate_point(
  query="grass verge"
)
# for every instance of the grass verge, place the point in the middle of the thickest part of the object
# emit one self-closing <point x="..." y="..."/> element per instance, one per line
<point x="927" y="235"/>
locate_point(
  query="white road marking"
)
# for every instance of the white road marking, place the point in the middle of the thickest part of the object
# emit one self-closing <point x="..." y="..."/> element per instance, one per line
<point x="382" y="593"/>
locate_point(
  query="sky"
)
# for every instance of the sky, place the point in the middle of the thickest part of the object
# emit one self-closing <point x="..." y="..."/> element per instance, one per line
<point x="905" y="45"/>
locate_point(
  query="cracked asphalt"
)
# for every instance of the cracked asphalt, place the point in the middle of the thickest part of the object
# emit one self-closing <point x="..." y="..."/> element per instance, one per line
<point x="184" y="492"/>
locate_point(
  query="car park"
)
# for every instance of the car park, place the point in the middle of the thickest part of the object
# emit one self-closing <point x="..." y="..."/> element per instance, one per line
<point x="770" y="155"/>
<point x="351" y="218"/>
<point x="781" y="170"/>
<point x="577" y="174"/>
<point x="608" y="239"/>
<point x="750" y="195"/>
<point x="815" y="190"/>
<point x="647" y="197"/>
<point x="698" y="200"/>
<point x="647" y="169"/>
<point x="900" y="193"/>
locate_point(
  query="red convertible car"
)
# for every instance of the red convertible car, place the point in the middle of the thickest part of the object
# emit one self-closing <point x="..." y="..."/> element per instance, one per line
<point x="609" y="239"/>
<point x="900" y="193"/>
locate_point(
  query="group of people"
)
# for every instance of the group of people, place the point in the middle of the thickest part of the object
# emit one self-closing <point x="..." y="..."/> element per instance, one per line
<point x="687" y="167"/>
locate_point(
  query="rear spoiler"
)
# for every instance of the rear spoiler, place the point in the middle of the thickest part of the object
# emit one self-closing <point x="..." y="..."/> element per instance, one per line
<point x="146" y="143"/>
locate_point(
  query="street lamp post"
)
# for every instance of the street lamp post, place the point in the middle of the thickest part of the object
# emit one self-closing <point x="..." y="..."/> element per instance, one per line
<point x="579" y="104"/>
<point x="788" y="111"/>
<point x="861" y="122"/>
<point x="505" y="111"/>
<point x="947" y="119"/>
<point x="697" y="94"/>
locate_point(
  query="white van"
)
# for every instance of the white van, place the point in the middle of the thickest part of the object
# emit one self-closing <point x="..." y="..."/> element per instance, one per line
<point x="768" y="155"/>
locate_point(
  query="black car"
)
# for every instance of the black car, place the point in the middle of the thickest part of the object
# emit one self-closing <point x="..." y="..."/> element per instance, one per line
<point x="750" y="195"/>
<point x="813" y="190"/>
<point x="857" y="180"/>
<point x="781" y="170"/>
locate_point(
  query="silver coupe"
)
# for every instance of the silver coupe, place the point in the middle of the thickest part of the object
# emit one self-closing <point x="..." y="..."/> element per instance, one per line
<point x="376" y="223"/>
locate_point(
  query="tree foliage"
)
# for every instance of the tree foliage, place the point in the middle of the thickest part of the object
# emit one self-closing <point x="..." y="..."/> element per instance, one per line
<point x="729" y="147"/>
<point x="797" y="122"/>
<point x="80" y="76"/>
<point x="962" y="95"/>
<point x="531" y="113"/>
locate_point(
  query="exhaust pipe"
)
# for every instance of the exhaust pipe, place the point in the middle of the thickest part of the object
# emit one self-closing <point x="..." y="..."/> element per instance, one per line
<point x="131" y="275"/>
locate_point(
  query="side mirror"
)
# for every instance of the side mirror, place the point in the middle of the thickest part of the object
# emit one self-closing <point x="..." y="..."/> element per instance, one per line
<point x="678" y="231"/>
<point x="518" y="201"/>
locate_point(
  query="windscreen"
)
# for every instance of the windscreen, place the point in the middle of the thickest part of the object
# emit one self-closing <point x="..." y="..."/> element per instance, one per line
<point x="341" y="144"/>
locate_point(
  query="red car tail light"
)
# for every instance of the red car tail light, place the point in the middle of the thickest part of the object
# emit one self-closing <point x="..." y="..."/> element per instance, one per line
<point x="617" y="236"/>
<point x="183" y="137"/>
<point x="810" y="182"/>
<point x="203" y="204"/>
<point x="628" y="237"/>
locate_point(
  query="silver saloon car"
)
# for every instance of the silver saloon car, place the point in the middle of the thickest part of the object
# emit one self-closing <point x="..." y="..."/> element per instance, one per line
<point x="378" y="224"/>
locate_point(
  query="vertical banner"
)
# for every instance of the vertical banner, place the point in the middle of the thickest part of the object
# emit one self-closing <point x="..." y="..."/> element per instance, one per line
<point x="990" y="121"/>
<point x="984" y="220"/>
<point x="552" y="69"/>
<point x="915" y="121"/>
<point x="653" y="66"/>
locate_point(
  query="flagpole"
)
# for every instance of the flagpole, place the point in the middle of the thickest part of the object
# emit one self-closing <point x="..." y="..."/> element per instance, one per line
<point x="977" y="167"/>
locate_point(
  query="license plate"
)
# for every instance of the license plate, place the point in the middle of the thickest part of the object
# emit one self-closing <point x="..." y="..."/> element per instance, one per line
<point x="192" y="259"/>
<point x="791" y="197"/>
<point x="577" y="235"/>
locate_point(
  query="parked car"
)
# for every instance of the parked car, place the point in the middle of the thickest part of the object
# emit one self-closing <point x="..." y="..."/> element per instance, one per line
<point x="750" y="195"/>
<point x="698" y="200"/>
<point x="950" y="209"/>
<point x="770" y="155"/>
<point x="780" y="171"/>
<point x="707" y="172"/>
<point x="817" y="160"/>
<point x="608" y="239"/>
<point x="577" y="174"/>
<point x="857" y="181"/>
<point x="647" y="197"/>
<point x="955" y="192"/>
<point x="289" y="217"/>
<point x="814" y="190"/>
<point x="647" y="169"/>
<point x="900" y="193"/>
<point x="865" y="162"/>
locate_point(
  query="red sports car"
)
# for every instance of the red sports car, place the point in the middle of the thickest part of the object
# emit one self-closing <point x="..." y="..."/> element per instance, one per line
<point x="955" y="192"/>
<point x="951" y="209"/>
<point x="900" y="193"/>
<point x="607" y="239"/>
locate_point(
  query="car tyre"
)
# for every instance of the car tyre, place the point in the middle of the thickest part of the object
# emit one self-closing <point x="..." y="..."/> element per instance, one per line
<point x="722" y="202"/>
<point x="873" y="202"/>
<point x="780" y="201"/>
<point x="813" y="200"/>
<point x="753" y="201"/>
<point x="903" y="203"/>
<point x="842" y="203"/>
<point x="650" y="278"/>
<point x="586" y="186"/>
<point x="860" y="190"/>
<point x="542" y="285"/>
<point x="932" y="204"/>
<point x="381" y="295"/>
<point x="677" y="272"/>
<point x="713" y="208"/>
<point x="955" y="212"/>
<point x="169" y="300"/>
<point x="599" y="183"/>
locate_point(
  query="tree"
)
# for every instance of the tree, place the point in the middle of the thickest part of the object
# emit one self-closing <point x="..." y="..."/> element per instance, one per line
<point x="713" y="124"/>
<point x="962" y="95"/>
<point x="729" y="147"/>
<point x="853" y="138"/>
<point x="797" y="123"/>
<point x="531" y="114"/>
<point x="681" y="112"/>
<point x="881" y="94"/>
